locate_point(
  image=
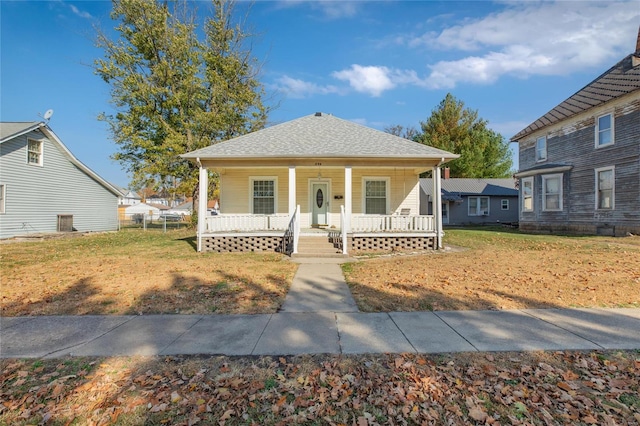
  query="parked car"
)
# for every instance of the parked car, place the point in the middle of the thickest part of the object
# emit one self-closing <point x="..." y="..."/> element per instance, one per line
<point x="171" y="217"/>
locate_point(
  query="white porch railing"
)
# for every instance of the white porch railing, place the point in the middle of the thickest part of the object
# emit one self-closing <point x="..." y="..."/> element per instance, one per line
<point x="282" y="222"/>
<point x="392" y="223"/>
<point x="247" y="223"/>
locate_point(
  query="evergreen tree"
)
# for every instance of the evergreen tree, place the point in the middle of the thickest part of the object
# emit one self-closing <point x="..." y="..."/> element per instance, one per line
<point x="483" y="152"/>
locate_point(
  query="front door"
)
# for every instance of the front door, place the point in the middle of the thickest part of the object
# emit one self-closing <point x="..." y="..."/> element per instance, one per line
<point x="320" y="201"/>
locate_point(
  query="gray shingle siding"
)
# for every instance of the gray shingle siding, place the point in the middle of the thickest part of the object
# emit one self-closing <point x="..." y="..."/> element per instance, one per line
<point x="36" y="195"/>
<point x="577" y="149"/>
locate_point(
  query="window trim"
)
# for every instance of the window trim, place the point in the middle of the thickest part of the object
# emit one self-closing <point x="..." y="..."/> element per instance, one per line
<point x="597" y="131"/>
<point x="478" y="213"/>
<point x="387" y="195"/>
<point x="40" y="154"/>
<point x="252" y="179"/>
<point x="540" y="158"/>
<point x="522" y="207"/>
<point x="3" y="197"/>
<point x="545" y="178"/>
<point x="504" y="204"/>
<point x="597" y="189"/>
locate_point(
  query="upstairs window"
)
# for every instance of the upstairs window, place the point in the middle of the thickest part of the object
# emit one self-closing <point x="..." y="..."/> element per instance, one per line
<point x="604" y="131"/>
<point x="527" y="194"/>
<point x="34" y="152"/>
<point x="375" y="197"/>
<point x="541" y="148"/>
<point x="264" y="196"/>
<point x="552" y="193"/>
<point x="605" y="188"/>
<point x="478" y="206"/>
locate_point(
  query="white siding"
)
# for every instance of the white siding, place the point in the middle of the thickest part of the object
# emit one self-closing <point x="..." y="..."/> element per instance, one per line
<point x="404" y="189"/>
<point x="36" y="195"/>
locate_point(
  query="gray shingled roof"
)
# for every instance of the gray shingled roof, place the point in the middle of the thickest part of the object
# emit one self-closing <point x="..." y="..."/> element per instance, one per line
<point x="621" y="79"/>
<point x="8" y="130"/>
<point x="318" y="136"/>
<point x="466" y="186"/>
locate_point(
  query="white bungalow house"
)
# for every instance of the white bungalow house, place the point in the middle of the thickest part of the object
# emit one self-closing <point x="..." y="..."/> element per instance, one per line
<point x="318" y="172"/>
<point x="44" y="188"/>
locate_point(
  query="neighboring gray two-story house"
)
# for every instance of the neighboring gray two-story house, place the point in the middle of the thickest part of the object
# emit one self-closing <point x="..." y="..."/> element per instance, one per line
<point x="473" y="201"/>
<point x="44" y="188"/>
<point x="580" y="162"/>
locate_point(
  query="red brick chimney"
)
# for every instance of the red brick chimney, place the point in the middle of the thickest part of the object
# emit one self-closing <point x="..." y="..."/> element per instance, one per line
<point x="638" y="43"/>
<point x="446" y="173"/>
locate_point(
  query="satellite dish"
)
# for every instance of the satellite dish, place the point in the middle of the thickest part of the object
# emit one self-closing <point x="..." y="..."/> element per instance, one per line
<point x="48" y="114"/>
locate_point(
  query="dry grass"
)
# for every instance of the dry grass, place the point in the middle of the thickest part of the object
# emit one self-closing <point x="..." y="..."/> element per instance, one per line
<point x="491" y="269"/>
<point x="133" y="271"/>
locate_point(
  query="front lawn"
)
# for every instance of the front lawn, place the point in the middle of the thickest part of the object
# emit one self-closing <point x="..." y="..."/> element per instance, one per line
<point x="138" y="272"/>
<point x="497" y="269"/>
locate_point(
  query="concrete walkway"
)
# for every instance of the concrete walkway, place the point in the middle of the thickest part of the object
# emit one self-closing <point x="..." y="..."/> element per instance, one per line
<point x="319" y="286"/>
<point x="320" y="316"/>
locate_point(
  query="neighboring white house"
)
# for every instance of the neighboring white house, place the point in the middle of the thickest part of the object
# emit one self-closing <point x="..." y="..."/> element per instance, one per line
<point x="44" y="188"/>
<point x="138" y="210"/>
<point x="129" y="198"/>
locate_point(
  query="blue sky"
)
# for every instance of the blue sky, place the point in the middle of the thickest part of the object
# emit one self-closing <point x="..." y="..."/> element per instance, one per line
<point x="377" y="63"/>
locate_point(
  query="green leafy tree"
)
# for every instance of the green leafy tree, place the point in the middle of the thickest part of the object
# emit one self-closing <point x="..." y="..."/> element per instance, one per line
<point x="484" y="153"/>
<point x="176" y="88"/>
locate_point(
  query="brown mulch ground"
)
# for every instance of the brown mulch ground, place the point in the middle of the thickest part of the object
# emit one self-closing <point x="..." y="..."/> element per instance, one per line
<point x="560" y="388"/>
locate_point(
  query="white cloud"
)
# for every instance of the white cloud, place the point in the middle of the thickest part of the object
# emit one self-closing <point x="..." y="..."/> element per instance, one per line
<point x="79" y="12"/>
<point x="534" y="39"/>
<point x="374" y="80"/>
<point x="299" y="89"/>
<point x="329" y="8"/>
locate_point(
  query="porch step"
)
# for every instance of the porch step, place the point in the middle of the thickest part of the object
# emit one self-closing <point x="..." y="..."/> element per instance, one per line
<point x="316" y="246"/>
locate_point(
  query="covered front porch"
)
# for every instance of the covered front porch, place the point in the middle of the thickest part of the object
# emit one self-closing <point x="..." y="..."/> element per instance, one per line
<point x="348" y="231"/>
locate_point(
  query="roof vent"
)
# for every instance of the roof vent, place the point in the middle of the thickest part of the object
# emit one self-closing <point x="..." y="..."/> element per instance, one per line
<point x="318" y="114"/>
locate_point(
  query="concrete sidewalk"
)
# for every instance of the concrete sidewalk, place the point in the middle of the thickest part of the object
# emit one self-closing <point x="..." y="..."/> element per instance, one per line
<point x="320" y="332"/>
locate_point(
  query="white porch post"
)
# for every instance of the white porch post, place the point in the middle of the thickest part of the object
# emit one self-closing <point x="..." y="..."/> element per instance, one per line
<point x="292" y="190"/>
<point x="347" y="199"/>
<point x="437" y="192"/>
<point x="202" y="204"/>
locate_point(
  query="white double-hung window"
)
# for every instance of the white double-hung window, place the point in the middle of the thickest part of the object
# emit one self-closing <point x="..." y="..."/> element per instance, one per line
<point x="604" y="131"/>
<point x="478" y="206"/>
<point x="541" y="148"/>
<point x="34" y="152"/>
<point x="375" y="196"/>
<point x="552" y="192"/>
<point x="263" y="198"/>
<point x="527" y="194"/>
<point x="605" y="188"/>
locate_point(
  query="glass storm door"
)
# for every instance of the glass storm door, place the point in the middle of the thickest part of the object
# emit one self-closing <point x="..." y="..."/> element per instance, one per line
<point x="319" y="200"/>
